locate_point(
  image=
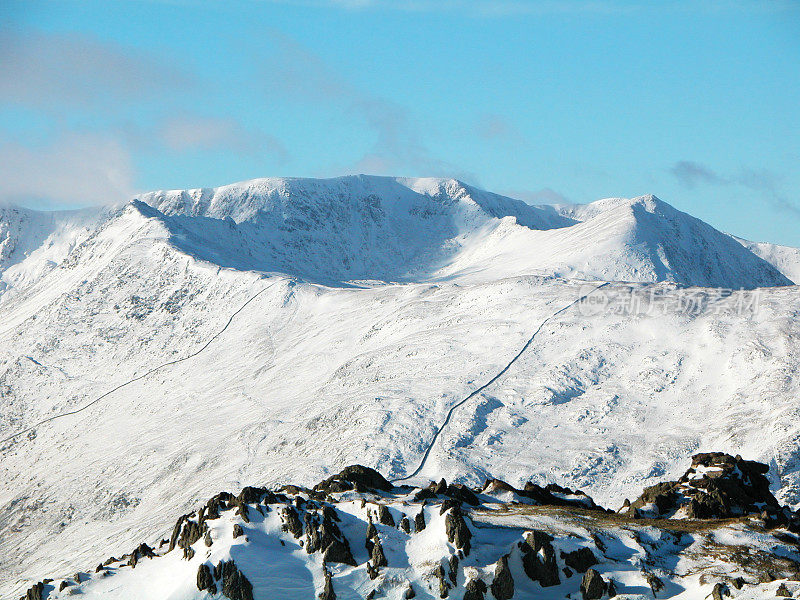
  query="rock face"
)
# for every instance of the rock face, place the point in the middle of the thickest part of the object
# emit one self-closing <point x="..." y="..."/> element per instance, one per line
<point x="539" y="559"/>
<point x="355" y="477"/>
<point x="503" y="583"/>
<point x="593" y="586"/>
<point x="458" y="532"/>
<point x="317" y="529"/>
<point x="717" y="486"/>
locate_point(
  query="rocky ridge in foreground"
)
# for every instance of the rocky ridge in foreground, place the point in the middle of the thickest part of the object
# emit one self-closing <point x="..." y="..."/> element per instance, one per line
<point x="717" y="532"/>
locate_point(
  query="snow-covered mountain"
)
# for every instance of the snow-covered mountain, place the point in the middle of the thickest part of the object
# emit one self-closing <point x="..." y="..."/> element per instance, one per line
<point x="784" y="258"/>
<point x="277" y="330"/>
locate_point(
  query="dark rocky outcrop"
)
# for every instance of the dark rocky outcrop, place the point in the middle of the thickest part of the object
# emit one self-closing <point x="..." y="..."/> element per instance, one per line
<point x="405" y="525"/>
<point x="503" y="583"/>
<point x="234" y="584"/>
<point x="355" y="477"/>
<point x="327" y="592"/>
<point x="377" y="555"/>
<point x="444" y="589"/>
<point x="716" y="486"/>
<point x="594" y="587"/>
<point x="141" y="551"/>
<point x="656" y="585"/>
<point x="419" y="521"/>
<point x="237" y="531"/>
<point x="475" y="589"/>
<point x="458" y="532"/>
<point x="384" y="516"/>
<point x="720" y="591"/>
<point x="539" y="559"/>
<point x="205" y="579"/>
<point x="579" y="560"/>
<point x="291" y="521"/>
<point x="34" y="592"/>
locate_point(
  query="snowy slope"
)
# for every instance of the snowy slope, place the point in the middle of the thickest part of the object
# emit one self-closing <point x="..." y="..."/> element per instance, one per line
<point x="784" y="258"/>
<point x="328" y="322"/>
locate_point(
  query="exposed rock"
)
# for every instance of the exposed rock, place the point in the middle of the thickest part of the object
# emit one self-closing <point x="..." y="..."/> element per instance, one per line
<point x="716" y="486"/>
<point x="355" y="477"/>
<point x="327" y="591"/>
<point x="448" y="504"/>
<point x="475" y="589"/>
<point x="251" y="495"/>
<point x="656" y="585"/>
<point x="237" y="531"/>
<point x="462" y="493"/>
<point x="503" y="583"/>
<point x="35" y="591"/>
<point x="593" y="586"/>
<point x="444" y="589"/>
<point x="783" y="591"/>
<point x="291" y="521"/>
<point x="205" y="580"/>
<point x="539" y="559"/>
<point x="338" y="551"/>
<point x="453" y="564"/>
<point x="580" y="559"/>
<point x="458" y="532"/>
<point x="207" y="539"/>
<point x="378" y="557"/>
<point x="409" y="593"/>
<point x="141" y="551"/>
<point x="234" y="584"/>
<point x="720" y="591"/>
<point x="405" y="525"/>
<point x="384" y="516"/>
<point x="64" y="585"/>
<point x="419" y="521"/>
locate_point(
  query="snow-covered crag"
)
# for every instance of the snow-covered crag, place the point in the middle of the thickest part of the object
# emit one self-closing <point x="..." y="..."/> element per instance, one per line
<point x="278" y="330"/>
<point x="355" y="535"/>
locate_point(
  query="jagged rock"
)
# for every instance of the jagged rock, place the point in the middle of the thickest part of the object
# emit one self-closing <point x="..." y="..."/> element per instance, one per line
<point x="99" y="568"/>
<point x="656" y="585"/>
<point x="555" y="495"/>
<point x="409" y="593"/>
<point x="439" y="488"/>
<point x="503" y="583"/>
<point x="329" y="513"/>
<point x="567" y="572"/>
<point x="35" y="591"/>
<point x="372" y="571"/>
<point x="458" y="532"/>
<point x="716" y="486"/>
<point x="251" y="495"/>
<point x="237" y="531"/>
<point x="475" y="589"/>
<point x="110" y="561"/>
<point x="234" y="584"/>
<point x="356" y="477"/>
<point x="720" y="591"/>
<point x="580" y="559"/>
<point x="291" y="521"/>
<point x="384" y="516"/>
<point x="338" y="552"/>
<point x="419" y="521"/>
<point x="141" y="551"/>
<point x="217" y="503"/>
<point x="444" y="589"/>
<point x="207" y="539"/>
<point x="593" y="586"/>
<point x="188" y="553"/>
<point x="462" y="493"/>
<point x="241" y="510"/>
<point x="738" y="583"/>
<point x="405" y="525"/>
<point x="453" y="564"/>
<point x="539" y="559"/>
<point x="448" y="504"/>
<point x="327" y="591"/>
<point x="372" y="534"/>
<point x="205" y="580"/>
<point x="378" y="557"/>
<point x="783" y="591"/>
<point x="370" y="596"/>
<point x="64" y="585"/>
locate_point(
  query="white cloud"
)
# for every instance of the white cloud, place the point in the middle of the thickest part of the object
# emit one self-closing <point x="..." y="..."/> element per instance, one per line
<point x="190" y="132"/>
<point x="75" y="169"/>
<point x="58" y="71"/>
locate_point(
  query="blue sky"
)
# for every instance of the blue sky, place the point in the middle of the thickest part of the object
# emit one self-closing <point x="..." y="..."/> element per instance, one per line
<point x="698" y="103"/>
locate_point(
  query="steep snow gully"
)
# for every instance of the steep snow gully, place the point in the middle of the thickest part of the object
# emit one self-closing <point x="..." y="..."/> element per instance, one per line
<point x="491" y="381"/>
<point x="143" y="375"/>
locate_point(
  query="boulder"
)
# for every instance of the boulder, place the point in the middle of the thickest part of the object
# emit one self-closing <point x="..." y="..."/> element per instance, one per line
<point x="355" y="477"/>
<point x="539" y="559"/>
<point x="503" y="583"/>
<point x="475" y="589"/>
<point x="580" y="560"/>
<point x="458" y="532"/>
<point x="593" y="586"/>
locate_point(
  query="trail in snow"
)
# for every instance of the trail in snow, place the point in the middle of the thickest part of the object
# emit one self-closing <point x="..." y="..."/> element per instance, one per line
<point x="142" y="376"/>
<point x="490" y="382"/>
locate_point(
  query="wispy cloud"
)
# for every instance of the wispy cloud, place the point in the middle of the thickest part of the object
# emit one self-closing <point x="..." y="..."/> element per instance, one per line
<point x="295" y="71"/>
<point x="58" y="71"/>
<point x="691" y="174"/>
<point x="494" y="127"/>
<point x="541" y="196"/>
<point x="187" y="132"/>
<point x="75" y="169"/>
